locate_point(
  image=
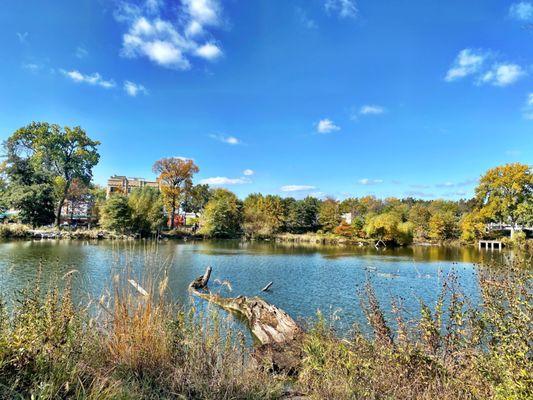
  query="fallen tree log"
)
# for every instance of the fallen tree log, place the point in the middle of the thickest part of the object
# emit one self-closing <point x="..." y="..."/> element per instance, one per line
<point x="278" y="334"/>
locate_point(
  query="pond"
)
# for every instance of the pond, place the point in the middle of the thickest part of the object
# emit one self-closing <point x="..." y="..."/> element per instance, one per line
<point x="305" y="278"/>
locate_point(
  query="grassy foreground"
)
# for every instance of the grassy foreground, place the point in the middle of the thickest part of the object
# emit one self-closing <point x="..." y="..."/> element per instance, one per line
<point x="144" y="347"/>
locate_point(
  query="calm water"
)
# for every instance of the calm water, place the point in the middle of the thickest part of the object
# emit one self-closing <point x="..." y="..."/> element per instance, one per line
<point x="306" y="278"/>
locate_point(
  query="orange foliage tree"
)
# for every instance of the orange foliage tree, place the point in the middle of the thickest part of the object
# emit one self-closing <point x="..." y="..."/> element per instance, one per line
<point x="175" y="181"/>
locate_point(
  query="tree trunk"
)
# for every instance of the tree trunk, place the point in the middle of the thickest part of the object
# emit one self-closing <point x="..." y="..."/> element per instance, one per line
<point x="279" y="335"/>
<point x="61" y="202"/>
<point x="172" y="213"/>
<point x="58" y="214"/>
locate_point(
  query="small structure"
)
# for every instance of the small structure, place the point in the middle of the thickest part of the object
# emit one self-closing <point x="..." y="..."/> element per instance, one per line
<point x="490" y="244"/>
<point x="124" y="185"/>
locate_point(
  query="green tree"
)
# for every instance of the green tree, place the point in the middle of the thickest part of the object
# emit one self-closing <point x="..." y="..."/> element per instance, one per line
<point x="30" y="192"/>
<point x="65" y="154"/>
<point x="116" y="214"/>
<point x="329" y="215"/>
<point x="222" y="216"/>
<point x="197" y="198"/>
<point x="503" y="190"/>
<point x="303" y="215"/>
<point x="146" y="207"/>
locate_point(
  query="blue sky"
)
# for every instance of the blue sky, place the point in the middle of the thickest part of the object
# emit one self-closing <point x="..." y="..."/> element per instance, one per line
<point x="292" y="97"/>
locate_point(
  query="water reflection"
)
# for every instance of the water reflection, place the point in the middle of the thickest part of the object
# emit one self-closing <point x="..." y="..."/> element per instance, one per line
<point x="306" y="278"/>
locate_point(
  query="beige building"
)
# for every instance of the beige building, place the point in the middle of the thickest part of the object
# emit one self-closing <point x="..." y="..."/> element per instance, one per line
<point x="124" y="185"/>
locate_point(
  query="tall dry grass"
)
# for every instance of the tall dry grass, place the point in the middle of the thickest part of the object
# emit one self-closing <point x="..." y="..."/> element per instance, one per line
<point x="135" y="343"/>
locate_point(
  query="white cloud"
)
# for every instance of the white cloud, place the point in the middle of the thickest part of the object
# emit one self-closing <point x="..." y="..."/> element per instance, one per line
<point x="297" y="188"/>
<point x="133" y="89"/>
<point x="209" y="51"/>
<point x="367" y="181"/>
<point x="248" y="172"/>
<point x="226" y="139"/>
<point x="467" y="62"/>
<point x="170" y="43"/>
<point x="522" y="11"/>
<point x="371" y="110"/>
<point x="343" y="8"/>
<point x="326" y="126"/>
<point x="503" y="74"/>
<point x="419" y="194"/>
<point x="92" y="79"/>
<point x="222" y="180"/>
<point x="81" y="52"/>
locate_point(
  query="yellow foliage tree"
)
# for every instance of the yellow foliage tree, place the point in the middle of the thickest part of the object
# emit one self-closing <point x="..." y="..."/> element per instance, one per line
<point x="175" y="181"/>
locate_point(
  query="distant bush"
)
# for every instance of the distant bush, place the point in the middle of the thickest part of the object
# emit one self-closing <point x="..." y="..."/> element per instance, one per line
<point x="14" y="230"/>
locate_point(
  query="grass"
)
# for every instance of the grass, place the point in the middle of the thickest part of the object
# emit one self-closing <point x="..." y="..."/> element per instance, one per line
<point x="135" y="344"/>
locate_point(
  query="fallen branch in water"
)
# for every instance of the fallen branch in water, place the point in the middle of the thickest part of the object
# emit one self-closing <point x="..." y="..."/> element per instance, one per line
<point x="279" y="335"/>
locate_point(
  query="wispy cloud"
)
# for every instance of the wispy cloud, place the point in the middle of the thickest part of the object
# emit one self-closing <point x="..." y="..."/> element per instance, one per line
<point x="527" y="111"/>
<point x="91" y="79"/>
<point x="522" y="11"/>
<point x="449" y="184"/>
<point x="371" y="110"/>
<point x="342" y="8"/>
<point x="457" y="193"/>
<point x="223" y="181"/>
<point x="503" y="74"/>
<point x="367" y="181"/>
<point x="248" y="172"/>
<point x="304" y="19"/>
<point x="326" y="126"/>
<point x="81" y="52"/>
<point x="466" y="63"/>
<point x="133" y="89"/>
<point x="226" y="139"/>
<point x="419" y="194"/>
<point x="297" y="188"/>
<point x="170" y="43"/>
<point x="33" y="67"/>
<point x="472" y="62"/>
<point x="23" y="37"/>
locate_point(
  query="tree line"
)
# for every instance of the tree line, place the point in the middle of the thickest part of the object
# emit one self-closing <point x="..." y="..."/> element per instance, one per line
<point x="47" y="166"/>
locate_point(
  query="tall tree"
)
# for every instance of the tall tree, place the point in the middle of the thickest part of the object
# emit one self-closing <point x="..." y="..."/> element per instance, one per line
<point x="65" y="154"/>
<point x="503" y="190"/>
<point x="175" y="181"/>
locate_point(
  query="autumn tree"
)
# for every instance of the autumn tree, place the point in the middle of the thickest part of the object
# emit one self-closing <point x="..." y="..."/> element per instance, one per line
<point x="503" y="191"/>
<point x="329" y="215"/>
<point x="64" y="154"/>
<point x="302" y="215"/>
<point x="175" y="182"/>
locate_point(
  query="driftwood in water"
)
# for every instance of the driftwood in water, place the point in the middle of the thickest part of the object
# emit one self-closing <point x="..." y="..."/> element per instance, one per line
<point x="279" y="335"/>
<point x="267" y="287"/>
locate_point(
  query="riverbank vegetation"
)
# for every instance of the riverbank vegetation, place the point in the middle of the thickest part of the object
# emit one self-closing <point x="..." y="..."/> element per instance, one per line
<point x="47" y="174"/>
<point x="138" y="344"/>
